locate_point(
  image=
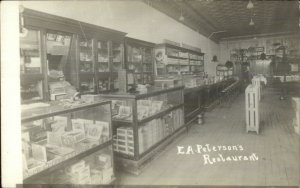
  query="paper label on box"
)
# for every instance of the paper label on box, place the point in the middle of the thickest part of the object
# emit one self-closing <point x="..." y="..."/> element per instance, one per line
<point x="94" y="131"/>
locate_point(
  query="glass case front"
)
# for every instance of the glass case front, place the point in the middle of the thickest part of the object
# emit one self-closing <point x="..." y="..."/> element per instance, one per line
<point x="86" y="55"/>
<point x="30" y="53"/>
<point x="102" y="63"/>
<point x="150" y="106"/>
<point x="154" y="131"/>
<point x="31" y="67"/>
<point x="116" y="56"/>
<point x="54" y="139"/>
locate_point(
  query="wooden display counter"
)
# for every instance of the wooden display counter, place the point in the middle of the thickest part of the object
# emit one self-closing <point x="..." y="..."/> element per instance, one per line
<point x="143" y="123"/>
<point x="202" y="98"/>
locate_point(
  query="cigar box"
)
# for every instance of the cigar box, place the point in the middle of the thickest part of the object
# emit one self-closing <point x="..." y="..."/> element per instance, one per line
<point x="77" y="167"/>
<point x="39" y="151"/>
<point x="104" y="160"/>
<point x="69" y="139"/>
<point x="107" y="175"/>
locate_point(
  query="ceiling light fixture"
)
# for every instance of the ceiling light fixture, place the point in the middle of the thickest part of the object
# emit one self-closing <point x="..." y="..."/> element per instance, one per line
<point x="250" y="5"/>
<point x="181" y="18"/>
<point x="251" y="22"/>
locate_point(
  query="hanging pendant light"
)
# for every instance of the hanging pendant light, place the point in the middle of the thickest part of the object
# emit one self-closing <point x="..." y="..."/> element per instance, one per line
<point x="251" y="22"/>
<point x="250" y="5"/>
<point x="181" y="18"/>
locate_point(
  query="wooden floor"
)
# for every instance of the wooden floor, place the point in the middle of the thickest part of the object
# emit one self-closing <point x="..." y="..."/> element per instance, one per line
<point x="277" y="147"/>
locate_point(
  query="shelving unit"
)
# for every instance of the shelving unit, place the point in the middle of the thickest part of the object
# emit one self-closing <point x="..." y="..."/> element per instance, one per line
<point x="224" y="72"/>
<point x="105" y="58"/>
<point x="90" y="64"/>
<point x="60" y="142"/>
<point x="143" y="123"/>
<point x="174" y="59"/>
<point x="31" y="67"/>
<point x="140" y="60"/>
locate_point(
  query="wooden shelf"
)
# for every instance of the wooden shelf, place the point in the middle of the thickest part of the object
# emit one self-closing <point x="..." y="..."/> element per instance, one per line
<point x="176" y="57"/>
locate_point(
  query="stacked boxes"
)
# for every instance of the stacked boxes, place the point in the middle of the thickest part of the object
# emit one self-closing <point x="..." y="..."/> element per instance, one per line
<point x="79" y="173"/>
<point x="104" y="172"/>
<point x="252" y="108"/>
<point x="124" y="142"/>
<point x="99" y="171"/>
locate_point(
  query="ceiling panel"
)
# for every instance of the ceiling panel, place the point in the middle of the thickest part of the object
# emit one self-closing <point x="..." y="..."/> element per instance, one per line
<point x="212" y="17"/>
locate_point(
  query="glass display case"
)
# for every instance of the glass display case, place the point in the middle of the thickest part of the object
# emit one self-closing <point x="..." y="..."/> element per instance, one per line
<point x="140" y="60"/>
<point x="143" y="122"/>
<point x="31" y="70"/>
<point x="98" y="69"/>
<point x="63" y="144"/>
<point x="61" y="49"/>
<point x="102" y="63"/>
<point x="116" y="56"/>
<point x="86" y="66"/>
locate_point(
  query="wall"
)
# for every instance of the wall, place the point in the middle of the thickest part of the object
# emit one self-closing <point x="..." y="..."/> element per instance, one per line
<point x="133" y="17"/>
<point x="266" y="42"/>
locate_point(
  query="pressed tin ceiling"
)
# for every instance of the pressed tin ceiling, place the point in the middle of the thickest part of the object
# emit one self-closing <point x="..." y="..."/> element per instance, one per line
<point x="225" y="19"/>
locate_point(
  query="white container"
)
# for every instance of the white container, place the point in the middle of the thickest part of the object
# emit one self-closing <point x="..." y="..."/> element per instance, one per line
<point x="252" y="108"/>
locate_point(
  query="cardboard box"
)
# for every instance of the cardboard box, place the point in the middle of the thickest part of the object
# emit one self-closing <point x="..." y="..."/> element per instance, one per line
<point x="36" y="134"/>
<point x="108" y="175"/>
<point x="54" y="138"/>
<point x="58" y="96"/>
<point x="40" y="153"/>
<point x="96" y="177"/>
<point x="87" y="143"/>
<point x="104" y="160"/>
<point x="77" y="166"/>
<point x="69" y="139"/>
<point x="94" y="131"/>
<point x="78" y="125"/>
